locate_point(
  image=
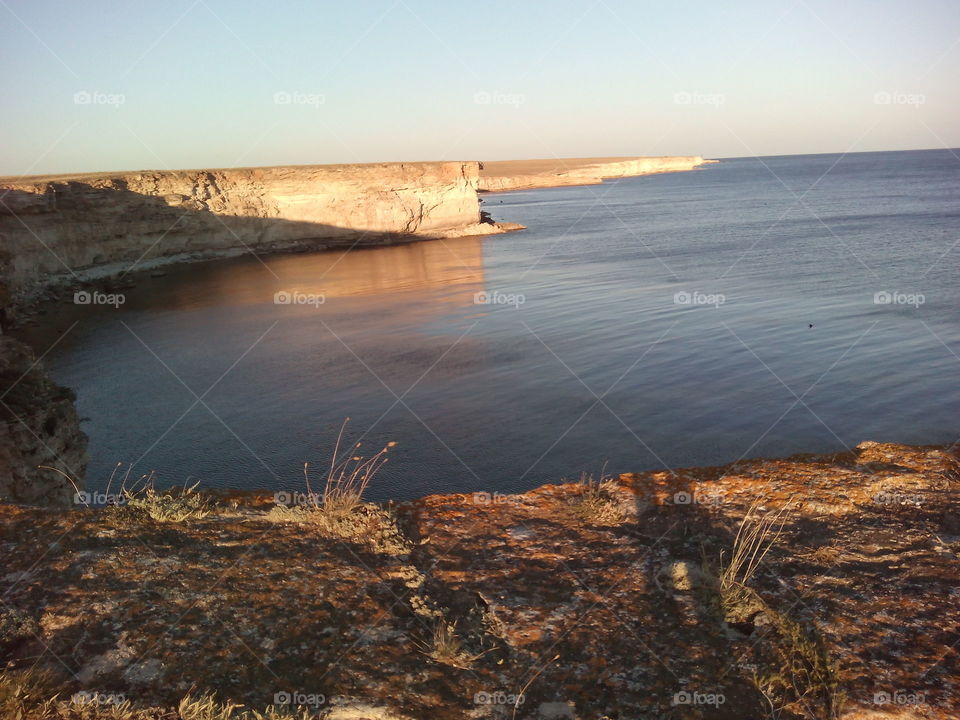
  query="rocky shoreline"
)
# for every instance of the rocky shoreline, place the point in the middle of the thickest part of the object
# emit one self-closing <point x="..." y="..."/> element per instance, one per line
<point x="69" y="229"/>
<point x="39" y="428"/>
<point x="585" y="600"/>
<point x="98" y="232"/>
<point x="632" y="598"/>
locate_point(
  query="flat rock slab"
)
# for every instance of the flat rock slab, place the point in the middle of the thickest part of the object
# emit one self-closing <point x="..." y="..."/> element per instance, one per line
<point x="567" y="601"/>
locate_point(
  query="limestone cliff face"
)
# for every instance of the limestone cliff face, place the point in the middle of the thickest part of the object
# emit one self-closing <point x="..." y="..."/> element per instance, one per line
<point x="56" y="224"/>
<point x="39" y="427"/>
<point x="68" y="227"/>
<point x="53" y="228"/>
<point x="523" y="175"/>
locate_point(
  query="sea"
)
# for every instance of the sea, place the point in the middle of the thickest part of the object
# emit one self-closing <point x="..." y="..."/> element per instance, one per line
<point x="755" y="307"/>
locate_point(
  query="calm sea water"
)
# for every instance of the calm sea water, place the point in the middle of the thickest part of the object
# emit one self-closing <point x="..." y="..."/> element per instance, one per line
<point x="665" y="322"/>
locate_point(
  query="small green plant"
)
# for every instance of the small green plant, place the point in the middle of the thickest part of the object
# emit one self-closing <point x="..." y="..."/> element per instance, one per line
<point x="801" y="678"/>
<point x="15" y="625"/>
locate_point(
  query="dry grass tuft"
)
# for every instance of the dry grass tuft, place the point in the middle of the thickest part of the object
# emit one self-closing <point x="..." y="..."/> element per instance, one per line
<point x="796" y="678"/>
<point x="32" y="695"/>
<point x="445" y="647"/>
<point x="172" y="505"/>
<point x="595" y="501"/>
<point x="367" y="524"/>
<point x="206" y="707"/>
<point x="347" y="479"/>
<point x="757" y="534"/>
<point x="340" y="510"/>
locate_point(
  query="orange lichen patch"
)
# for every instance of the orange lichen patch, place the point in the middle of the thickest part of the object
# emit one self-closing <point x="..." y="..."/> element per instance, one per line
<point x="615" y="618"/>
<point x="661" y="488"/>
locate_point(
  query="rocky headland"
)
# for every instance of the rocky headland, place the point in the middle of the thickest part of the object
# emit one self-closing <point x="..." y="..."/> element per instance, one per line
<point x="65" y="228"/>
<point x="506" y="175"/>
<point x="61" y="228"/>
<point x="84" y="232"/>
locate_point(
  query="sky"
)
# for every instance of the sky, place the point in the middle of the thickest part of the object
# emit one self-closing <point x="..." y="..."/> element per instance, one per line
<point x="98" y="85"/>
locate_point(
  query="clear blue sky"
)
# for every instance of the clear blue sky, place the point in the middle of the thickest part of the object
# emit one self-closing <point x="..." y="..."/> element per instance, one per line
<point x="97" y="85"/>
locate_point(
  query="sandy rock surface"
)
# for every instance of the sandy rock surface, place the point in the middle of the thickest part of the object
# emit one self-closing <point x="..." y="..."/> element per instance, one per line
<point x="587" y="603"/>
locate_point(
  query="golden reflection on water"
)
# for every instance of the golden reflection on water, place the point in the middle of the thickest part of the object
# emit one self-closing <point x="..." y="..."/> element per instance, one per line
<point x="454" y="266"/>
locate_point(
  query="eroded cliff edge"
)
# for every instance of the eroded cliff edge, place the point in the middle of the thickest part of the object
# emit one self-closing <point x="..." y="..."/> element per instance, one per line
<point x="506" y="175"/>
<point x="67" y="229"/>
<point x="39" y="430"/>
<point x="54" y="226"/>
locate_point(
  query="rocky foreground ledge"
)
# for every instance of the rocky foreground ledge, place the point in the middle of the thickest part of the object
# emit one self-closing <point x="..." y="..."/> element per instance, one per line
<point x="570" y="601"/>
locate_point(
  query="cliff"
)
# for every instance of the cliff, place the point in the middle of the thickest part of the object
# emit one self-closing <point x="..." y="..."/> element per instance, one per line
<point x="58" y="230"/>
<point x="499" y="176"/>
<point x="55" y="225"/>
<point x="569" y="601"/>
<point x="67" y="229"/>
<point x="39" y="428"/>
